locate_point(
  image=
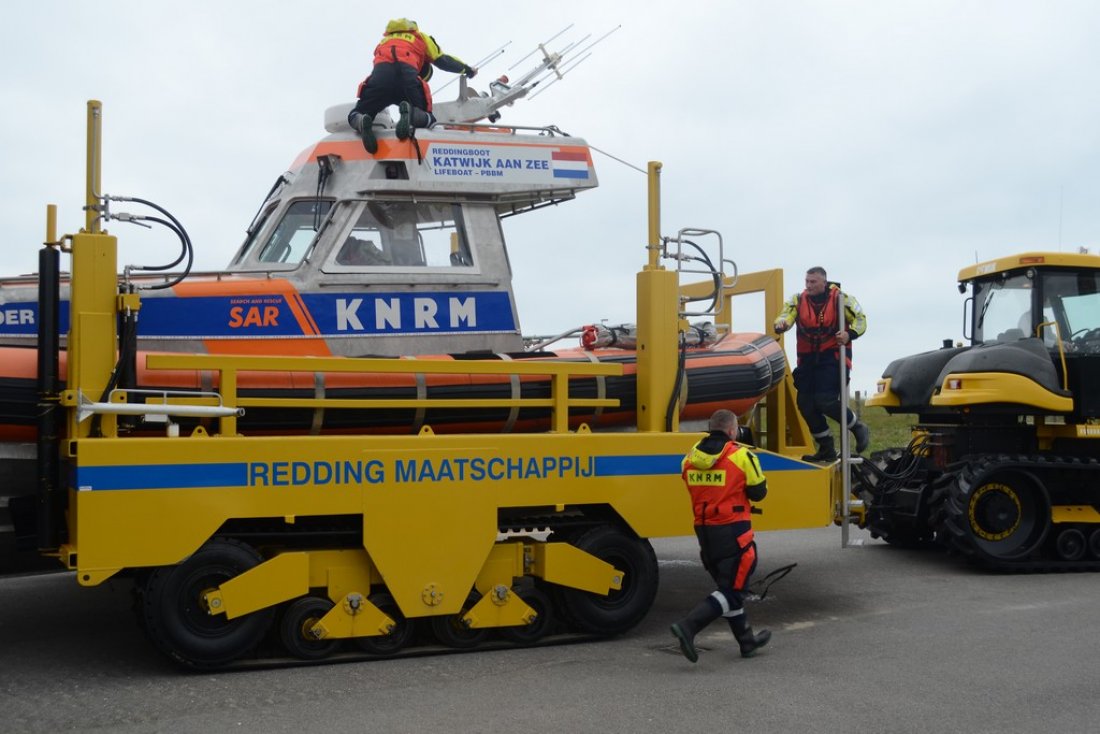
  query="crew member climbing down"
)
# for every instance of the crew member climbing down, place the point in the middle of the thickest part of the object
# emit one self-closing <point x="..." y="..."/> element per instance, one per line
<point x="722" y="478"/>
<point x="816" y="312"/>
<point x="403" y="63"/>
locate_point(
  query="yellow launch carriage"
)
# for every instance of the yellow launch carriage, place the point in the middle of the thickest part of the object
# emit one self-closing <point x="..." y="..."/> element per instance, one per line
<point x="376" y="539"/>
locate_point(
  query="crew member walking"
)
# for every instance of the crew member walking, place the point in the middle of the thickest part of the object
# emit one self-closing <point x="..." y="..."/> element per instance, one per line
<point x="723" y="478"/>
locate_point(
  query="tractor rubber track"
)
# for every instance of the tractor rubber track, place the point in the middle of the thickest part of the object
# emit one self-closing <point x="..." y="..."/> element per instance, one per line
<point x="1066" y="480"/>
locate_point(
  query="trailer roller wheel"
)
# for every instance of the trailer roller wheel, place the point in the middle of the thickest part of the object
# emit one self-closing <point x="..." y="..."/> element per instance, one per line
<point x="622" y="609"/>
<point x="176" y="618"/>
<point x="450" y="630"/>
<point x="399" y="637"/>
<point x="528" y="634"/>
<point x="1071" y="544"/>
<point x="1094" y="543"/>
<point x="299" y="617"/>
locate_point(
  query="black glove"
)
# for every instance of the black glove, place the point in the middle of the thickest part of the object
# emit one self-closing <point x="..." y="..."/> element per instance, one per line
<point x="470" y="72"/>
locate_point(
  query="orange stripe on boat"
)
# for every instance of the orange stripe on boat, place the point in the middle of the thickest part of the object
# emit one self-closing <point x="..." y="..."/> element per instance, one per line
<point x="403" y="150"/>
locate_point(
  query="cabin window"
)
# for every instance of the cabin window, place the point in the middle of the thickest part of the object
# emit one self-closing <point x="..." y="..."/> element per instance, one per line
<point x="290" y="240"/>
<point x="1072" y="300"/>
<point x="403" y="235"/>
<point x="1003" y="309"/>
<point x="253" y="235"/>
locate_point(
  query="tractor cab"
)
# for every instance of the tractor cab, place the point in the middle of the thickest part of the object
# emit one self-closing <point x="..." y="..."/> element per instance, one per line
<point x="1033" y="323"/>
<point x="1045" y="303"/>
<point x="1055" y="305"/>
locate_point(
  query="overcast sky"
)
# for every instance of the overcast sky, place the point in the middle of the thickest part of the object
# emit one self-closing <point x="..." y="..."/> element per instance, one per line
<point x="891" y="142"/>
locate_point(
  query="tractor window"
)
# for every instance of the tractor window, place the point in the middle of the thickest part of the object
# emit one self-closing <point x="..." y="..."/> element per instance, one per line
<point x="292" y="237"/>
<point x="400" y="235"/>
<point x="1003" y="309"/>
<point x="1072" y="300"/>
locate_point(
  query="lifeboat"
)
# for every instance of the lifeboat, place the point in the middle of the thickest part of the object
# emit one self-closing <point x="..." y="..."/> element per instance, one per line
<point x="734" y="373"/>
<point x="398" y="254"/>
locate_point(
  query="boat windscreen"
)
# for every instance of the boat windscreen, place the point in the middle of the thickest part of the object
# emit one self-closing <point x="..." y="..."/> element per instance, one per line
<point x="291" y="238"/>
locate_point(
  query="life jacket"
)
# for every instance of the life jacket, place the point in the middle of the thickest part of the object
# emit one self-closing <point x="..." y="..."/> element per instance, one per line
<point x="717" y="485"/>
<point x="817" y="327"/>
<point x="404" y="47"/>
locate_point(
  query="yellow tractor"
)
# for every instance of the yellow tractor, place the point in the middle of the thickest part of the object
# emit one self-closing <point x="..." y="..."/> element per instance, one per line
<point x="1004" y="462"/>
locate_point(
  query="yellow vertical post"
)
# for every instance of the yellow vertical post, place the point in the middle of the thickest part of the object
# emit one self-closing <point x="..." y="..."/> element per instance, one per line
<point x="227" y="386"/>
<point x="654" y="199"/>
<point x="92" y="310"/>
<point x="658" y="325"/>
<point x="92" y="184"/>
<point x="51" y="224"/>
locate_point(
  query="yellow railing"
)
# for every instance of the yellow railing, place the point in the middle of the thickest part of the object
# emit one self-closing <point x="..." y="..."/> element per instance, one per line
<point x="783" y="429"/>
<point x="228" y="368"/>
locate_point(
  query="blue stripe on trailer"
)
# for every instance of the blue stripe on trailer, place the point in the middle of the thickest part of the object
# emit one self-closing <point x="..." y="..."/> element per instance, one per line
<point x="626" y="466"/>
<point x="162" y="476"/>
<point x="776" y="462"/>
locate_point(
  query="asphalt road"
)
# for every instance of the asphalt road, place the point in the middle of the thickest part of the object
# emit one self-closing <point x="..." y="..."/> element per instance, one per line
<point x="867" y="639"/>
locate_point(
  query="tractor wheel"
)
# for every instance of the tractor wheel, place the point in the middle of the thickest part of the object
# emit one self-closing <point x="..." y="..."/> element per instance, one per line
<point x="1071" y="544"/>
<point x="1008" y="514"/>
<point x="1094" y="543"/>
<point x="177" y="620"/>
<point x="621" y="609"/>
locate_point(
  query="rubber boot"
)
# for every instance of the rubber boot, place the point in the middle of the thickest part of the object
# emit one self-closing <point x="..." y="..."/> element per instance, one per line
<point x="364" y="125"/>
<point x="420" y="118"/>
<point x="750" y="642"/>
<point x="862" y="432"/>
<point x="826" y="450"/>
<point x="698" y="618"/>
<point x="743" y="633"/>
<point x="403" y="124"/>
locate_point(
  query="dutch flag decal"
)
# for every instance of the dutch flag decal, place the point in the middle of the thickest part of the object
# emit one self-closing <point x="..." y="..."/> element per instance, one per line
<point x="570" y="165"/>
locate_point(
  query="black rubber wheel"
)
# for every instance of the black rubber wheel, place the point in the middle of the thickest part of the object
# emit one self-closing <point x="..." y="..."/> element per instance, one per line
<point x="400" y="636"/>
<point x="622" y="609"/>
<point x="450" y="630"/>
<point x="1008" y="515"/>
<point x="528" y="634"/>
<point x="176" y="619"/>
<point x="1094" y="543"/>
<point x="1071" y="544"/>
<point x="299" y="616"/>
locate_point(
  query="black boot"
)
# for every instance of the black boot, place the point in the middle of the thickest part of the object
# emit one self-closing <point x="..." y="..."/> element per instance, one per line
<point x="862" y="432"/>
<point x="364" y="125"/>
<point x="404" y="126"/>
<point x="826" y="450"/>
<point x="419" y="118"/>
<point x="685" y="630"/>
<point x="748" y="641"/>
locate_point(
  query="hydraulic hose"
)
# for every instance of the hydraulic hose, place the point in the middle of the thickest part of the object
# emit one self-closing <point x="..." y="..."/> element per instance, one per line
<point x="173" y="224"/>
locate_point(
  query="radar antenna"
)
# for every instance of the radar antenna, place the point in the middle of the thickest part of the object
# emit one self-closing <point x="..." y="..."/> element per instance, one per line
<point x="472" y="106"/>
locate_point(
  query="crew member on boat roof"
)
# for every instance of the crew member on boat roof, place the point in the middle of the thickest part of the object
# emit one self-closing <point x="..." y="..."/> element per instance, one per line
<point x="403" y="63"/>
